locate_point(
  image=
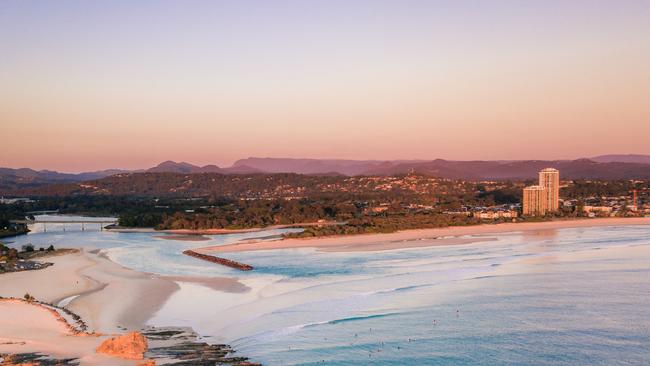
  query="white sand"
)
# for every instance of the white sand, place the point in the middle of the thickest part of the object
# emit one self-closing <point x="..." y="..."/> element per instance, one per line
<point x="108" y="297"/>
<point x="29" y="328"/>
<point x="52" y="283"/>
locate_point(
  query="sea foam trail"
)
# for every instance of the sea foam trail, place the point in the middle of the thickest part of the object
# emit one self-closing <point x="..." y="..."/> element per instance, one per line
<point x="350" y="303"/>
<point x="285" y="331"/>
<point x="356" y="318"/>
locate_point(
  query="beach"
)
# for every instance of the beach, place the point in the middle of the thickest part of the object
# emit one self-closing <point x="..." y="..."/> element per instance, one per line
<point x="453" y="235"/>
<point x="109" y="298"/>
<point x="321" y="292"/>
<point x="30" y="328"/>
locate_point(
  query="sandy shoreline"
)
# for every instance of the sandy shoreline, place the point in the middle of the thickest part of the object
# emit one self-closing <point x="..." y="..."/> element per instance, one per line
<point x="186" y="237"/>
<point x="109" y="298"/>
<point x="31" y="328"/>
<point x="189" y="232"/>
<point x="112" y="299"/>
<point x="192" y="232"/>
<point x="419" y="238"/>
<point x="109" y="295"/>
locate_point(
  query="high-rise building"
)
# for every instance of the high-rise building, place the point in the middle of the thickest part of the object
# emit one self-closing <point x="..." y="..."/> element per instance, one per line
<point x="535" y="201"/>
<point x="549" y="178"/>
<point x="544" y="197"/>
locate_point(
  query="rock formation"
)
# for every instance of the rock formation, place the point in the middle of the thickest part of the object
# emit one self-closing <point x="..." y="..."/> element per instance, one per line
<point x="147" y="363"/>
<point x="131" y="346"/>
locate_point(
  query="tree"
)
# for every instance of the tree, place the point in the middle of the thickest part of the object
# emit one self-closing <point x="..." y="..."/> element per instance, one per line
<point x="12" y="254"/>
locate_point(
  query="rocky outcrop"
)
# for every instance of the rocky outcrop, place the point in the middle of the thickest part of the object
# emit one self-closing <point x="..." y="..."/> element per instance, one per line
<point x="34" y="359"/>
<point x="183" y="347"/>
<point x="131" y="346"/>
<point x="177" y="344"/>
<point x="147" y="363"/>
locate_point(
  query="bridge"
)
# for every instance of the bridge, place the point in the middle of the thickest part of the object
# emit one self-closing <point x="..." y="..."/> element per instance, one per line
<point x="102" y="223"/>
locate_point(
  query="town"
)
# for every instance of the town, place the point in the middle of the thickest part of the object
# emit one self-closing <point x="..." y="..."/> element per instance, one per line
<point x="544" y="199"/>
<point x="363" y="203"/>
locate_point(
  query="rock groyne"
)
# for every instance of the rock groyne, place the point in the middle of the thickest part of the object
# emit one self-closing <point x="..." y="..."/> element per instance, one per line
<point x="219" y="260"/>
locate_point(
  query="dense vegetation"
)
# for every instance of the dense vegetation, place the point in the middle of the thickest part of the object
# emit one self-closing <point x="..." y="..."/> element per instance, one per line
<point x="260" y="213"/>
<point x="364" y="204"/>
<point x="387" y="223"/>
<point x="581" y="189"/>
<point x="190" y="185"/>
<point x="8" y="213"/>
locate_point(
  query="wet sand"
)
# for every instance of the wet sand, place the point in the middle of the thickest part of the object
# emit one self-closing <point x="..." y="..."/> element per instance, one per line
<point x="28" y="328"/>
<point x="109" y="298"/>
<point x="454" y="235"/>
<point x="188" y="237"/>
<point x="109" y="294"/>
<point x="223" y="284"/>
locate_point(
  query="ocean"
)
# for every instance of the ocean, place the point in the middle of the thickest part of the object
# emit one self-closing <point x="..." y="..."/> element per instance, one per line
<point x="550" y="297"/>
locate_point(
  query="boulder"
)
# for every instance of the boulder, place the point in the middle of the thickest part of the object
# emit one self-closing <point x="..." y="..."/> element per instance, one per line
<point x="131" y="346"/>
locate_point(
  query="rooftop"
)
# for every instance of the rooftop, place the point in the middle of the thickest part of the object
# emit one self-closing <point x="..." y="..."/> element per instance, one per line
<point x="534" y="188"/>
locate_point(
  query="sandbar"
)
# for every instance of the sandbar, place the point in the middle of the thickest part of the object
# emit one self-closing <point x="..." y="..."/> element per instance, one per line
<point x="452" y="235"/>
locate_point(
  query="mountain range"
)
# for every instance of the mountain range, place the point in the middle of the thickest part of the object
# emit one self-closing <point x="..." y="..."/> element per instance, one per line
<point x="480" y="169"/>
<point x="187" y="168"/>
<point x="622" y="158"/>
<point x="599" y="167"/>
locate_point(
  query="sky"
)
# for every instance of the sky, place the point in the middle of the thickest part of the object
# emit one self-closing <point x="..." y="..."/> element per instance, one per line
<point x="88" y="85"/>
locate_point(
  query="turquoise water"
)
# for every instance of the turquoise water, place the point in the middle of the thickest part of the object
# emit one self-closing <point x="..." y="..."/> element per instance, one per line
<point x="553" y="297"/>
<point x="566" y="297"/>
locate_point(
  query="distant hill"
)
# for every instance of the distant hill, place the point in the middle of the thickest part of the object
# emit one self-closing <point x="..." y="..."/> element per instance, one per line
<point x="29" y="178"/>
<point x="622" y="158"/>
<point x="317" y="166"/>
<point x="183" y="168"/>
<point x="14" y="180"/>
<point x="187" y="168"/>
<point x="525" y="169"/>
<point x="25" y="178"/>
<point x="188" y="185"/>
<point x="569" y="169"/>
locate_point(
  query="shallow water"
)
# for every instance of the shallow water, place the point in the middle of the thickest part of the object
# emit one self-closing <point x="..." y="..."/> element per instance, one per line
<point x="553" y="297"/>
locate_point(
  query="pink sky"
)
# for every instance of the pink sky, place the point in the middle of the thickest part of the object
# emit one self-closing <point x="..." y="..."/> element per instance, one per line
<point x="85" y="86"/>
